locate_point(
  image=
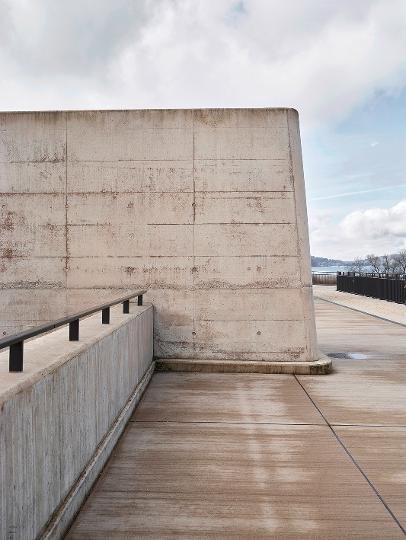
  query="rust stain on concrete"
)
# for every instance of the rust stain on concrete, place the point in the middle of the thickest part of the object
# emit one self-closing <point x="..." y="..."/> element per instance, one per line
<point x="7" y="253"/>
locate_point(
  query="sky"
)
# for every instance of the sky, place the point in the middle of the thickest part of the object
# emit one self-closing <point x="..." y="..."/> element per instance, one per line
<point x="341" y="64"/>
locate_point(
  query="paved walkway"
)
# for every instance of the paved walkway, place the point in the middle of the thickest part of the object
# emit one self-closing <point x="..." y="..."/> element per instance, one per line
<point x="373" y="306"/>
<point x="267" y="456"/>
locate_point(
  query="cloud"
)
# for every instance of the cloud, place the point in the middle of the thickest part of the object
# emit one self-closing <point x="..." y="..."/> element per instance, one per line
<point x="376" y="230"/>
<point x="377" y="223"/>
<point x="324" y="58"/>
<point x="48" y="38"/>
<point x="358" y="192"/>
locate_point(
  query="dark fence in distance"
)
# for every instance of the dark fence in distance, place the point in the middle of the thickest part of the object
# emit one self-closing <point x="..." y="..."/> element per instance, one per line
<point x="391" y="287"/>
<point x="324" y="278"/>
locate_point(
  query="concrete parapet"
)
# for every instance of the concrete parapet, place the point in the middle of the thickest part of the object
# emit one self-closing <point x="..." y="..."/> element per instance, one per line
<point x="61" y="417"/>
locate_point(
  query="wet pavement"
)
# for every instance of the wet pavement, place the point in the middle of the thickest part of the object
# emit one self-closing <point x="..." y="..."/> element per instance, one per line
<point x="267" y="456"/>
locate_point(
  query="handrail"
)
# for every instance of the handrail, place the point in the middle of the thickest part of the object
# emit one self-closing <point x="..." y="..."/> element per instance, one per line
<point x="16" y="341"/>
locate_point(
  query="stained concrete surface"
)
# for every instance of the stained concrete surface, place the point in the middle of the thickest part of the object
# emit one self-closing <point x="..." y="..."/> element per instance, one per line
<point x="193" y="204"/>
<point x="263" y="456"/>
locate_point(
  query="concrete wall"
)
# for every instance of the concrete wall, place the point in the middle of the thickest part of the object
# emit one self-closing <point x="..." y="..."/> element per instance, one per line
<point x="205" y="207"/>
<point x="56" y="416"/>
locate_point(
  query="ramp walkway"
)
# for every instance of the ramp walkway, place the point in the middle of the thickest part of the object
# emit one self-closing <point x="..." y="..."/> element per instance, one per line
<point x="266" y="456"/>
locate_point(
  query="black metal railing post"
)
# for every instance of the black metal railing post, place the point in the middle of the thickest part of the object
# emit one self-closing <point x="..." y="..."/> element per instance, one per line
<point x="16" y="357"/>
<point x="126" y="306"/>
<point x="106" y="315"/>
<point x="74" y="330"/>
<point x="140" y="300"/>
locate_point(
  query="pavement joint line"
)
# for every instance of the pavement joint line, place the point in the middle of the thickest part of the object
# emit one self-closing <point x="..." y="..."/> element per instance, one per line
<point x="361" y="311"/>
<point x="383" y="426"/>
<point x="352" y="458"/>
<point x="222" y="422"/>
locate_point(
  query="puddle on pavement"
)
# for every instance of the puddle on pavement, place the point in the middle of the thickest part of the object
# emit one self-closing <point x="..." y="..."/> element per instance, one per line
<point x="348" y="355"/>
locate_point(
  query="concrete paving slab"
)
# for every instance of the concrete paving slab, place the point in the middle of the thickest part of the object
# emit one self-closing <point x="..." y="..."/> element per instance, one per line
<point x="163" y="516"/>
<point x="381" y="453"/>
<point x="236" y="398"/>
<point x="223" y="480"/>
<point x="368" y="391"/>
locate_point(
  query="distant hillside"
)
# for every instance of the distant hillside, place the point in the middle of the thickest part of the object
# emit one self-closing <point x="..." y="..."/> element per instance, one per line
<point x="322" y="261"/>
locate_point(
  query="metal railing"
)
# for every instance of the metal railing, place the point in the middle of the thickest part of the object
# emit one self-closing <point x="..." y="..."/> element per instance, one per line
<point x="391" y="287"/>
<point x="16" y="341"/>
<point x="324" y="278"/>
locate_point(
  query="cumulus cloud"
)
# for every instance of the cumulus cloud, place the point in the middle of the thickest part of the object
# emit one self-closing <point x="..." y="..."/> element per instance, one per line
<point x="322" y="57"/>
<point x="377" y="222"/>
<point x="378" y="230"/>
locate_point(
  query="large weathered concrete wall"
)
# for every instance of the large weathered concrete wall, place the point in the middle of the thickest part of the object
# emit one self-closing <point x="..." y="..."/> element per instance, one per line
<point x="61" y="417"/>
<point x="206" y="207"/>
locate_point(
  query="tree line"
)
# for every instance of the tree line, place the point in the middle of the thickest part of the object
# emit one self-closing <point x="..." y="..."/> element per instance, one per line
<point x="383" y="264"/>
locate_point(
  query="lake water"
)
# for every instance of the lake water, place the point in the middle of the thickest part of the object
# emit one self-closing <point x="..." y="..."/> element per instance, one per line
<point x="332" y="269"/>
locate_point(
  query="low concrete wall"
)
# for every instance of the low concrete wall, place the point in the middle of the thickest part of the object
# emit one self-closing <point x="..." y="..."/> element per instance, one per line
<point x="60" y="418"/>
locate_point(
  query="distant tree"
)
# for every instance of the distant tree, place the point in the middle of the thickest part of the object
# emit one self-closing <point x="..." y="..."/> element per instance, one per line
<point x="390" y="264"/>
<point x="386" y="264"/>
<point x="401" y="261"/>
<point x="374" y="262"/>
<point x="395" y="267"/>
<point x="358" y="265"/>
